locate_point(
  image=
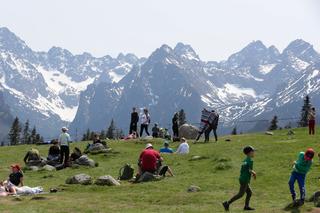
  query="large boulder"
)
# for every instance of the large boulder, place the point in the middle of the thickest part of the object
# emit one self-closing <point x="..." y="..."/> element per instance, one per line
<point x="83" y="179"/>
<point x="188" y="131"/>
<point x="107" y="180"/>
<point x="84" y="160"/>
<point x="49" y="168"/>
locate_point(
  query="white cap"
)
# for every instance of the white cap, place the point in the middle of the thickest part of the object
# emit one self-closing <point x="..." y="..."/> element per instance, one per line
<point x="64" y="128"/>
<point x="149" y="145"/>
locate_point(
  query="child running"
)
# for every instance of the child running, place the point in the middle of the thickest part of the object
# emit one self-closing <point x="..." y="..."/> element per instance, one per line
<point x="245" y="177"/>
<point x="300" y="169"/>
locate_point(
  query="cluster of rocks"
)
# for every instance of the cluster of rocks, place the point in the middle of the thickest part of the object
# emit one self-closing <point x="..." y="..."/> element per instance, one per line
<point x="85" y="179"/>
<point x="97" y="148"/>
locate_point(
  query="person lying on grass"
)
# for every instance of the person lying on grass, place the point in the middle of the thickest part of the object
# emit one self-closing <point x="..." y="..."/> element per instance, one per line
<point x="245" y="176"/>
<point x="300" y="169"/>
<point x="15" y="179"/>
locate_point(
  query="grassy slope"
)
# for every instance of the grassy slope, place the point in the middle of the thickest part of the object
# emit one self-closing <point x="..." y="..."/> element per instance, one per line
<point x="271" y="194"/>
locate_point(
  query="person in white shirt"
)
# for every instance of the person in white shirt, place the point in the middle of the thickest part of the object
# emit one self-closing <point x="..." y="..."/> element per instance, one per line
<point x="64" y="140"/>
<point x="145" y="121"/>
<point x="183" y="147"/>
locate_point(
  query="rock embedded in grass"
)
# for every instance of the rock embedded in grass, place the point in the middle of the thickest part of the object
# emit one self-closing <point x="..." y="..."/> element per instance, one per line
<point x="107" y="180"/>
<point x="83" y="179"/>
<point x="194" y="188"/>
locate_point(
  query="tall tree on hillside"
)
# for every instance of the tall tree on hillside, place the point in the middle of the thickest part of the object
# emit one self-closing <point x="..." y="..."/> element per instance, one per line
<point x="102" y="135"/>
<point x="234" y="131"/>
<point x="182" y="117"/>
<point x="274" y="123"/>
<point x="15" y="131"/>
<point x="33" y="135"/>
<point x="38" y="138"/>
<point x="304" y="112"/>
<point x="111" y="130"/>
<point x="26" y="133"/>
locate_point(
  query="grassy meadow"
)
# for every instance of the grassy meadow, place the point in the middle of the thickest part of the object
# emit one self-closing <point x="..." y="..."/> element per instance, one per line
<point x="217" y="175"/>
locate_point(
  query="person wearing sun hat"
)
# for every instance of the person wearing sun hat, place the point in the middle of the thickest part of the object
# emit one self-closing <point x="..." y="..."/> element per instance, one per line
<point x="148" y="159"/>
<point x="245" y="176"/>
<point x="300" y="169"/>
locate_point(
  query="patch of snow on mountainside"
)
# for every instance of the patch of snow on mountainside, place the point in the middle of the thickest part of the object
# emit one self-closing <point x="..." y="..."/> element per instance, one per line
<point x="265" y="69"/>
<point x="235" y="91"/>
<point x="299" y="64"/>
<point x="59" y="82"/>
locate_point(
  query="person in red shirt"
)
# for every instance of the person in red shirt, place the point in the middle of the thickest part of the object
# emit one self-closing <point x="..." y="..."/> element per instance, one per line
<point x="149" y="159"/>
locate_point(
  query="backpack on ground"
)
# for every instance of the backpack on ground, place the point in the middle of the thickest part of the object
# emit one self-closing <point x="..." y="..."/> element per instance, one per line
<point x="126" y="172"/>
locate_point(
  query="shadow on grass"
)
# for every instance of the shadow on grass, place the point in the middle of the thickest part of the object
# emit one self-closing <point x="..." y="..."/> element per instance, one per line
<point x="292" y="207"/>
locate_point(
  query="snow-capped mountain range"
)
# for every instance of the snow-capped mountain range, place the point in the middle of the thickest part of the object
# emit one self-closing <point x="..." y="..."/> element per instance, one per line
<point x="56" y="87"/>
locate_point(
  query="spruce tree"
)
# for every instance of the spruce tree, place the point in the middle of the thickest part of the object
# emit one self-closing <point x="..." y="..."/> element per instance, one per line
<point x="304" y="112"/>
<point x="15" y="131"/>
<point x="88" y="135"/>
<point x="38" y="138"/>
<point x="91" y="137"/>
<point x="33" y="135"/>
<point x="111" y="130"/>
<point x="26" y="133"/>
<point x="234" y="131"/>
<point x="102" y="135"/>
<point x="274" y="123"/>
<point x="182" y="117"/>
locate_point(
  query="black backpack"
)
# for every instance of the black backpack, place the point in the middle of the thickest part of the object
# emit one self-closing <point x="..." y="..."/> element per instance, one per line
<point x="126" y="172"/>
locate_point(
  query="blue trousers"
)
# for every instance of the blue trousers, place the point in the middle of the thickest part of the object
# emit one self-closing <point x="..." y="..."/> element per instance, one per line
<point x="301" y="178"/>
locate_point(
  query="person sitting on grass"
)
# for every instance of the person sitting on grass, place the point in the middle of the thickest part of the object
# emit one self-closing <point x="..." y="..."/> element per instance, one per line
<point x="245" y="176"/>
<point x="76" y="154"/>
<point x="96" y="139"/>
<point x="15" y="179"/>
<point x="155" y="131"/>
<point x="54" y="153"/>
<point x="166" y="148"/>
<point x="148" y="160"/>
<point x="300" y="169"/>
<point x="183" y="147"/>
<point x="32" y="158"/>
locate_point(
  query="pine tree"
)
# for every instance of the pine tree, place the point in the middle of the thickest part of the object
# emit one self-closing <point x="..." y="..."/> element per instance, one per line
<point x="102" y="135"/>
<point x="274" y="123"/>
<point x="38" y="137"/>
<point x="91" y="137"/>
<point x="234" y="131"/>
<point x="15" y="131"/>
<point x="84" y="137"/>
<point x="41" y="139"/>
<point x="111" y="130"/>
<point x="88" y="135"/>
<point x="182" y="117"/>
<point x="33" y="135"/>
<point x="304" y="112"/>
<point x="26" y="133"/>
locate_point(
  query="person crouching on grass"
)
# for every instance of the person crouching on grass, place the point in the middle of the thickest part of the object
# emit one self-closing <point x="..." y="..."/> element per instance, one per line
<point x="245" y="177"/>
<point x="300" y="169"/>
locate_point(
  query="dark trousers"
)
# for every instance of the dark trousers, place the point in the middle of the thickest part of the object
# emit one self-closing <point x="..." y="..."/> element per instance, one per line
<point x="144" y="127"/>
<point x="207" y="133"/>
<point x="64" y="154"/>
<point x="244" y="188"/>
<point x="133" y="127"/>
<point x="301" y="178"/>
<point x="312" y="124"/>
<point x="175" y="130"/>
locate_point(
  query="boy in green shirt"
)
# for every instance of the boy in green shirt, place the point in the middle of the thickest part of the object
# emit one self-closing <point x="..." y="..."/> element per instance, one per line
<point x="300" y="169"/>
<point x="245" y="177"/>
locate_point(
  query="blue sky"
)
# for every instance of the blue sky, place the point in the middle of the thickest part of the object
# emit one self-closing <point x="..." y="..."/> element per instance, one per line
<point x="214" y="28"/>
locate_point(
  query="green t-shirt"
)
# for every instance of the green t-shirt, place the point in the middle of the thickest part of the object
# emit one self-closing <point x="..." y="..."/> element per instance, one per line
<point x="245" y="172"/>
<point x="301" y="165"/>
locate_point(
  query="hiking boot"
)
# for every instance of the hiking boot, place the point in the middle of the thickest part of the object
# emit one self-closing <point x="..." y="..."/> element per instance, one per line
<point x="248" y="208"/>
<point x="226" y="205"/>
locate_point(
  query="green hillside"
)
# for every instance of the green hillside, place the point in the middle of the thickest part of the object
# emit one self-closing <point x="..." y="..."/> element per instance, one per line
<point x="216" y="174"/>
